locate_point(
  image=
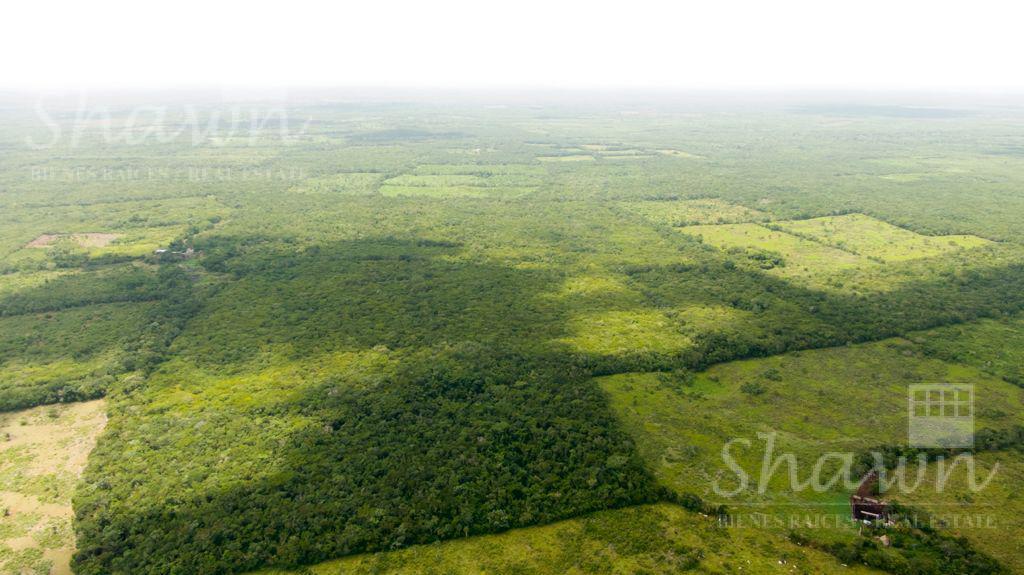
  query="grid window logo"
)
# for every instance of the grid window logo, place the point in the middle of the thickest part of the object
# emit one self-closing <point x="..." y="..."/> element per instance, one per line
<point x="941" y="415"/>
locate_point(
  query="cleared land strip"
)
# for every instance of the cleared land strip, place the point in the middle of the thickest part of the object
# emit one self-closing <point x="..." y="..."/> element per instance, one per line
<point x="43" y="451"/>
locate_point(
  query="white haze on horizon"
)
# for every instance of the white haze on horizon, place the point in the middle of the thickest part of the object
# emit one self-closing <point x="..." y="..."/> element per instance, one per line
<point x="730" y="44"/>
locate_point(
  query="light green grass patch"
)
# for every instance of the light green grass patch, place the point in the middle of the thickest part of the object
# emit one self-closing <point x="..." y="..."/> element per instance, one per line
<point x="843" y="400"/>
<point x="806" y="261"/>
<point x="437" y="181"/>
<point x="994" y="346"/>
<point x="483" y="170"/>
<point x="624" y="332"/>
<point x="624" y="152"/>
<point x="618" y="157"/>
<point x="681" y="213"/>
<point x="133" y="225"/>
<point x="907" y="177"/>
<point x="139" y="242"/>
<point x="991" y="517"/>
<point x="277" y="380"/>
<point x="434" y="192"/>
<point x="696" y="320"/>
<point x="656" y="539"/>
<point x="15" y="282"/>
<point x="515" y="176"/>
<point x="867" y="236"/>
<point x="594" y="290"/>
<point x="352" y="183"/>
<point x="567" y="158"/>
<point x="130" y="242"/>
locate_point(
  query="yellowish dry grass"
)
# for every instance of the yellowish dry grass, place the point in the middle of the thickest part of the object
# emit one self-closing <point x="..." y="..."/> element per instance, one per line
<point x="42" y="454"/>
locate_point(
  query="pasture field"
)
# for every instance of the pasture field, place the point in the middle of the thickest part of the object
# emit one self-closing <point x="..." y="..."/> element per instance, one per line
<point x="658" y="539"/>
<point x="567" y="158"/>
<point x="505" y="173"/>
<point x="682" y="213"/>
<point x="432" y="191"/>
<point x="680" y="154"/>
<point x="717" y="433"/>
<point x="989" y="517"/>
<point x="864" y="235"/>
<point x="42" y="453"/>
<point x="400" y="336"/>
<point x="134" y="225"/>
<point x="356" y="183"/>
<point x="11" y="283"/>
<point x="681" y="424"/>
<point x="806" y="261"/>
<point x="623" y="332"/>
<point x="852" y="254"/>
<point x="995" y="346"/>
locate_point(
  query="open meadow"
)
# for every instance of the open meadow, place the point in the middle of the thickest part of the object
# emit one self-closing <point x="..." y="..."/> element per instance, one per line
<point x="42" y="455"/>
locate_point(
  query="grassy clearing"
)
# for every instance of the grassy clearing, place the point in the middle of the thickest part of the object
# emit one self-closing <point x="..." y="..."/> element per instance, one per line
<point x="567" y="158"/>
<point x="681" y="213"/>
<point x="626" y="332"/>
<point x="437" y="181"/>
<point x="606" y="315"/>
<point x="87" y="240"/>
<point x="808" y="403"/>
<point x="611" y="153"/>
<point x="601" y="287"/>
<point x="135" y="228"/>
<point x="825" y="262"/>
<point x="805" y="261"/>
<point x="473" y="184"/>
<point x="630" y="156"/>
<point x="696" y="320"/>
<point x="656" y="539"/>
<point x="867" y="236"/>
<point x="681" y="426"/>
<point x="680" y="154"/>
<point x="141" y="241"/>
<point x="994" y="346"/>
<point x="992" y="517"/>
<point x="133" y="242"/>
<point x="24" y="281"/>
<point x="352" y="183"/>
<point x="42" y="453"/>
<point x="484" y="170"/>
<point x="421" y="186"/>
<point x="435" y="192"/>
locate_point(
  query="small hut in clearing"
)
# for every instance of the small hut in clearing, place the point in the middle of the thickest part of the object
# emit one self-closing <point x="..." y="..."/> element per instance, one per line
<point x="865" y="503"/>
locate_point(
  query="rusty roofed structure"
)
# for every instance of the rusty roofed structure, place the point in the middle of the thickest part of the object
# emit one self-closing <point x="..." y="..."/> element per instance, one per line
<point x="865" y="504"/>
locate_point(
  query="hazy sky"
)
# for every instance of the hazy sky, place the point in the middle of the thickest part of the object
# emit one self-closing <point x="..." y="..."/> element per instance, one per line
<point x="974" y="44"/>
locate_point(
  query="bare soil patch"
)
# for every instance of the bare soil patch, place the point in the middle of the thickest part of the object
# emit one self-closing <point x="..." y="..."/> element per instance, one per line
<point x="87" y="240"/>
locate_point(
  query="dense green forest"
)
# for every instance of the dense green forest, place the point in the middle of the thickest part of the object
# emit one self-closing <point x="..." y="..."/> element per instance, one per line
<point x="363" y="327"/>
